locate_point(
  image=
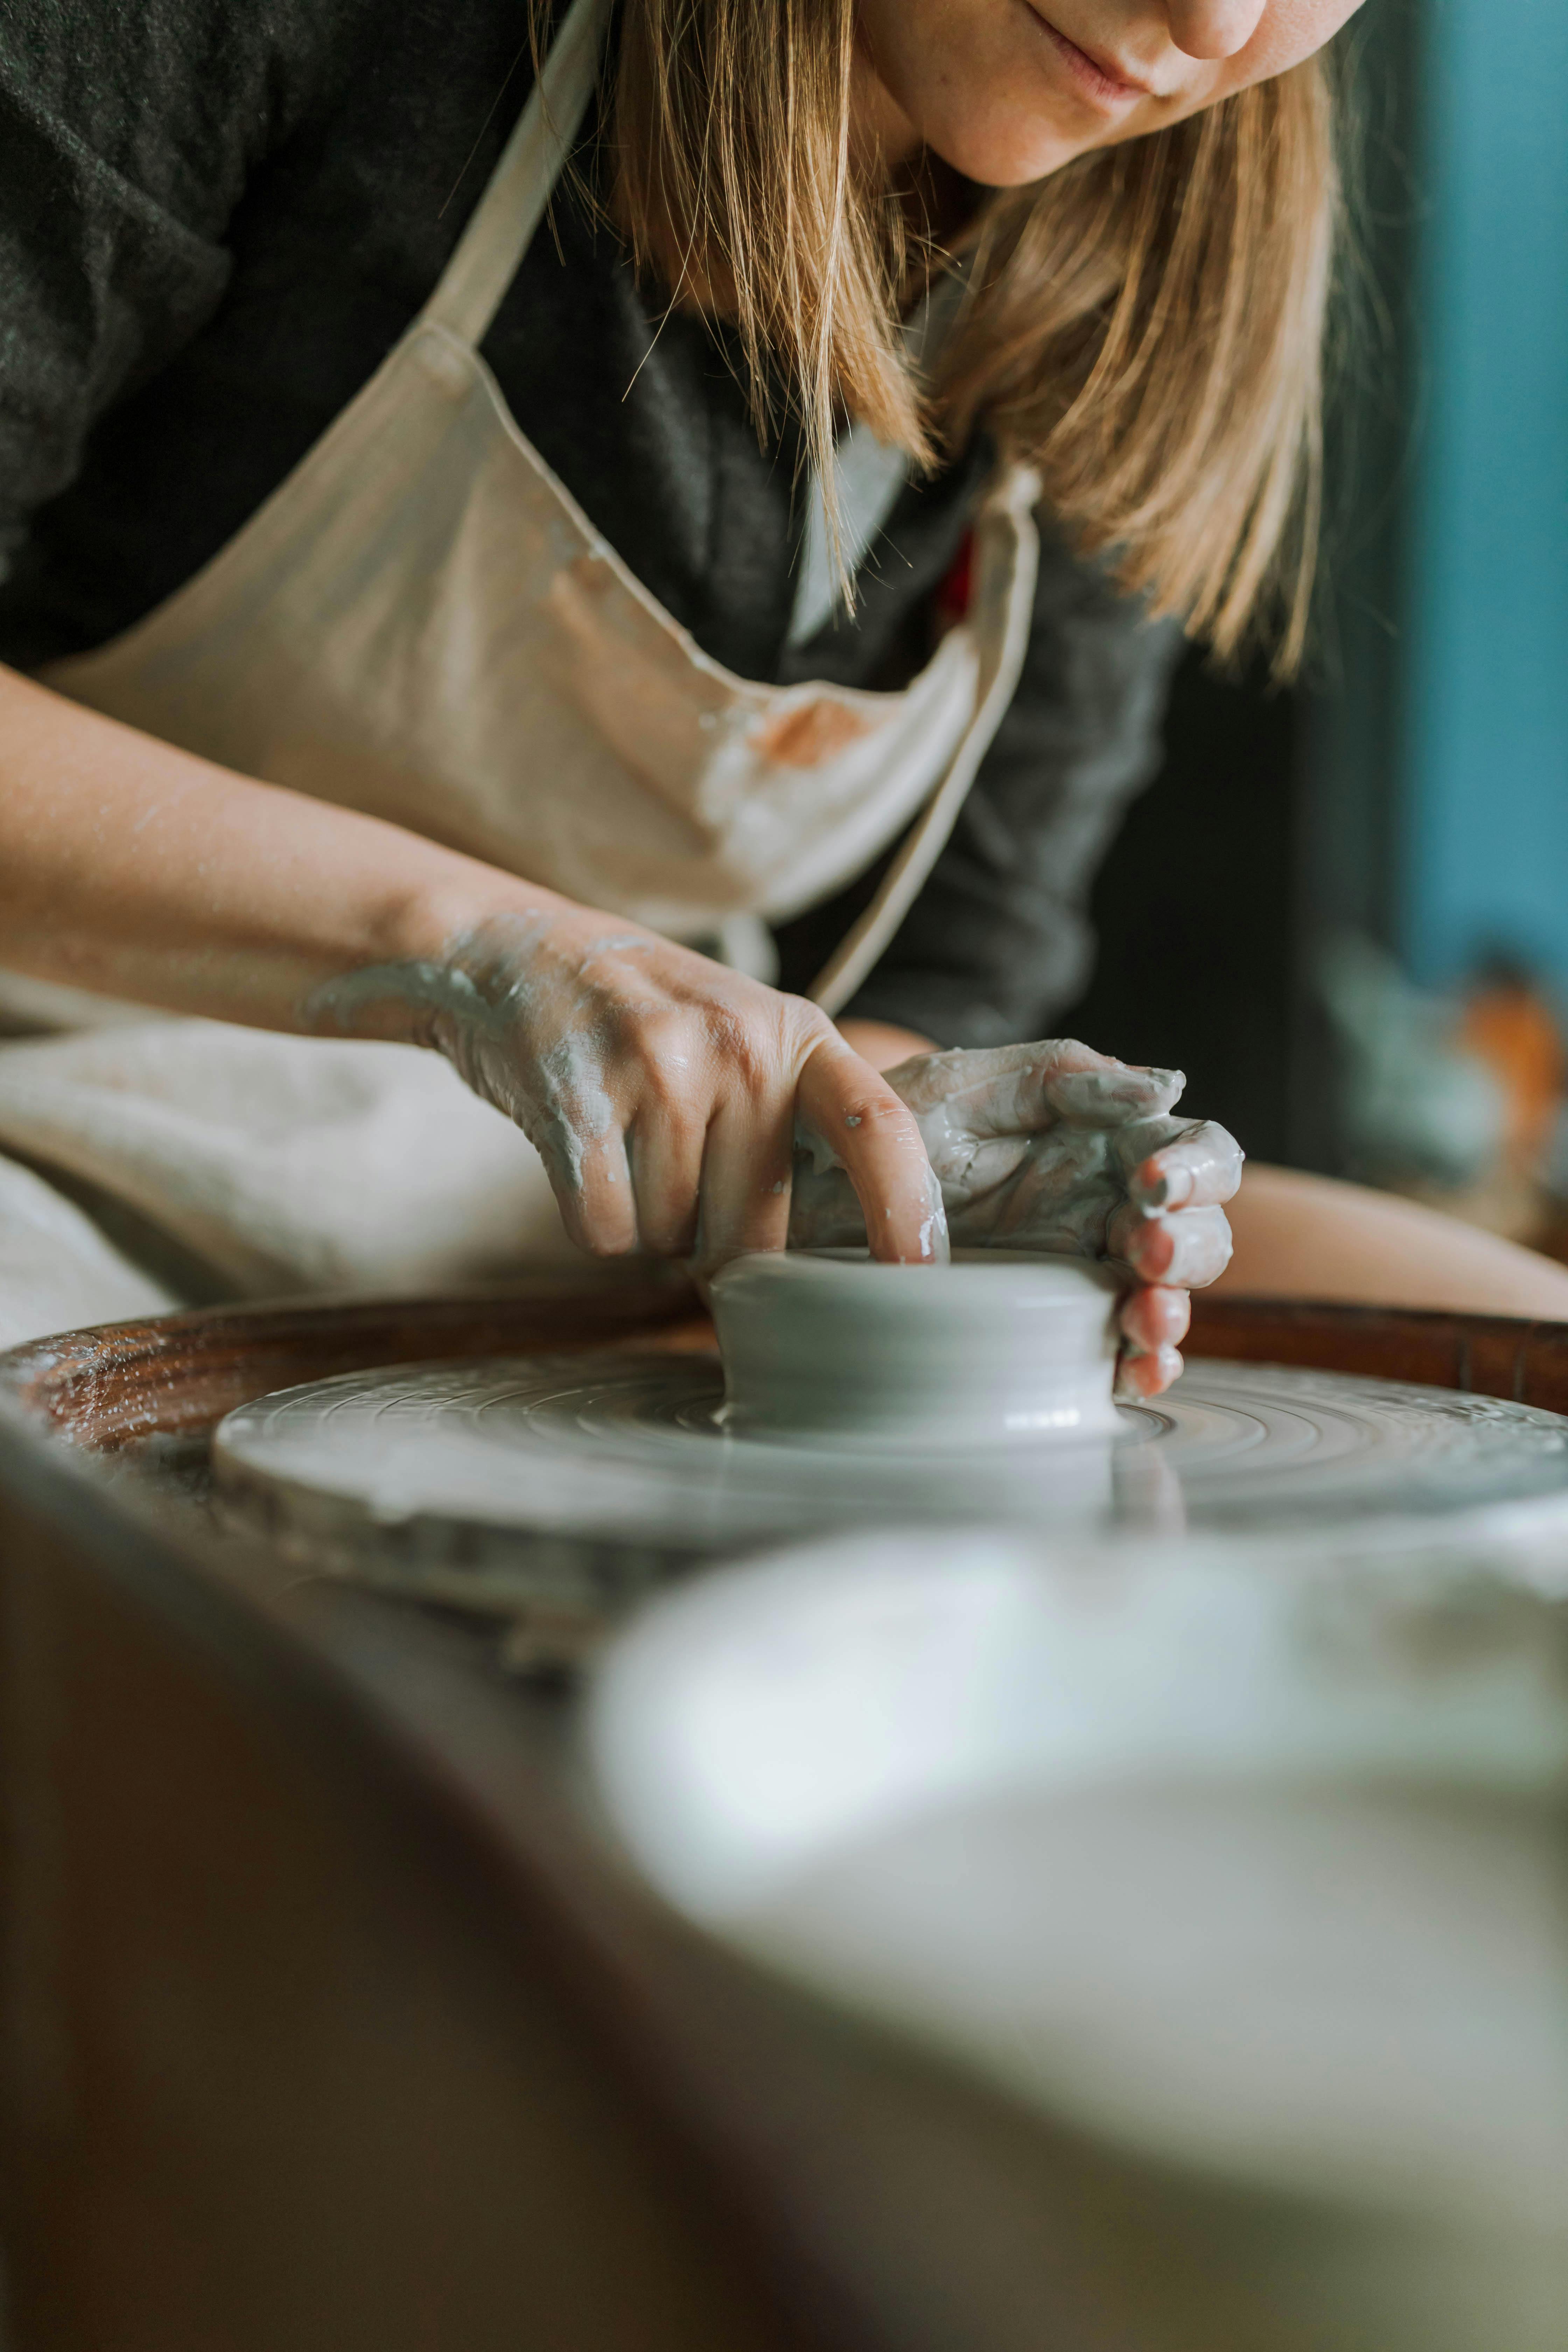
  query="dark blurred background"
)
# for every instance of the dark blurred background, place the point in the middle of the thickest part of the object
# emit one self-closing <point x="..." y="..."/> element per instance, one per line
<point x="1195" y="910"/>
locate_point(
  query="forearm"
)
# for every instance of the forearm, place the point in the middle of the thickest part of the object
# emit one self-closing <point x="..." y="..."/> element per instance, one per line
<point x="882" y="1045"/>
<point x="136" y="870"/>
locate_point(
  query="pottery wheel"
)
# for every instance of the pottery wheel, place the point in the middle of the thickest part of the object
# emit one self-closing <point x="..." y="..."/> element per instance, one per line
<point x="612" y="1457"/>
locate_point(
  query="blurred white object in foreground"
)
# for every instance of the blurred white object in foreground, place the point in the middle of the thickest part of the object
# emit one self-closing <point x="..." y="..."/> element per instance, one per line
<point x="1253" y="1870"/>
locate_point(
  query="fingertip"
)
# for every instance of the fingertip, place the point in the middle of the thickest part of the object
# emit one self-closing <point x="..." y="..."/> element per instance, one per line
<point x="1112" y="1098"/>
<point x="1158" y="1185"/>
<point x="603" y="1228"/>
<point x="1145" y="1376"/>
<point x="1198" y="1166"/>
<point x="1156" y="1316"/>
<point x="609" y="1242"/>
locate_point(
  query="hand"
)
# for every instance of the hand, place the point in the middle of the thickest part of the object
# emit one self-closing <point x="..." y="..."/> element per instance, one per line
<point x="663" y="1092"/>
<point x="1059" y="1148"/>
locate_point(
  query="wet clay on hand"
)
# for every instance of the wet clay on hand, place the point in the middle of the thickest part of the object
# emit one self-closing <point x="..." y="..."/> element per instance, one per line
<point x="663" y="1091"/>
<point x="1055" y="1148"/>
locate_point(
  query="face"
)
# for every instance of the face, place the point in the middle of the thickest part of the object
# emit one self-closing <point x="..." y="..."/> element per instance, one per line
<point x="1008" y="91"/>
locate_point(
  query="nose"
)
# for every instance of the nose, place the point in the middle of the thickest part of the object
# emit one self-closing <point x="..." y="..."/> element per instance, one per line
<point x="1215" y="28"/>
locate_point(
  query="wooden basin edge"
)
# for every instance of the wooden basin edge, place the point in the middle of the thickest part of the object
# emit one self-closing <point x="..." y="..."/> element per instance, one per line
<point x="1483" y="1355"/>
<point x="177" y="1375"/>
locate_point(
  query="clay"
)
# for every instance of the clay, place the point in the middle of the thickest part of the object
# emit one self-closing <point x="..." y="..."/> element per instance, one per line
<point x="990" y="1350"/>
<point x="503" y="978"/>
<point x="619" y="1458"/>
<point x="1053" y="1149"/>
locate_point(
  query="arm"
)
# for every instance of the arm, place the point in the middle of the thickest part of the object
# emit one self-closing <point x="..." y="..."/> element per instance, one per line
<point x="662" y="1091"/>
<point x="882" y="1045"/>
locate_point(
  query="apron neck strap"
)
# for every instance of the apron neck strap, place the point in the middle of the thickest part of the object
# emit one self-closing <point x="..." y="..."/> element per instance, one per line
<point x="491" y="248"/>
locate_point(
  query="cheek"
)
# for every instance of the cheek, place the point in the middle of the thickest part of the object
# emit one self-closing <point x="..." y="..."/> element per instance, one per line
<point x="973" y="77"/>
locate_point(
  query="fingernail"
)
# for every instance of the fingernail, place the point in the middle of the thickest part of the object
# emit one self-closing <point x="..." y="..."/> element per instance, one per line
<point x="1170" y="1190"/>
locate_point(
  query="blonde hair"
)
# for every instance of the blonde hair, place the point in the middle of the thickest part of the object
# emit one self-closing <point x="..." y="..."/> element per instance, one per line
<point x="1145" y="326"/>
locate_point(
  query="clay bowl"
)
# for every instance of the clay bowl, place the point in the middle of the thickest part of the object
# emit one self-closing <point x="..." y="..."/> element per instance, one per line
<point x="994" y="1348"/>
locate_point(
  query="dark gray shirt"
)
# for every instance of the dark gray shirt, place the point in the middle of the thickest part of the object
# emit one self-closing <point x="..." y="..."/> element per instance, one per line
<point x="217" y="216"/>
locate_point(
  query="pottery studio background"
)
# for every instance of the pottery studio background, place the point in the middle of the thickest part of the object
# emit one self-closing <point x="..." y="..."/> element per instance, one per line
<point x="1343" y="910"/>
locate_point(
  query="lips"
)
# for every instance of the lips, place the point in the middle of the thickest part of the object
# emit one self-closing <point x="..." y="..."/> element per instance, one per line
<point x="1100" y="79"/>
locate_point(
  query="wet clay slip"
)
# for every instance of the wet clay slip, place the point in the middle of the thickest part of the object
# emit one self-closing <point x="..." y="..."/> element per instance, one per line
<point x="989" y="1350"/>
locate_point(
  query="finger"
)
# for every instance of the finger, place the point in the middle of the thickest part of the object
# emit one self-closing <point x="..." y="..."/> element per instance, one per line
<point x="854" y="1111"/>
<point x="592" y="1187"/>
<point x="665" y="1151"/>
<point x="1199" y="1169"/>
<point x="1007" y="1090"/>
<point x="1186" y="1250"/>
<point x="824" y="1212"/>
<point x="1143" y="1138"/>
<point x="1047" y="1191"/>
<point x="744" y="1194"/>
<point x="1114" y="1095"/>
<point x="1155" y="1316"/>
<point x="1140" y="1376"/>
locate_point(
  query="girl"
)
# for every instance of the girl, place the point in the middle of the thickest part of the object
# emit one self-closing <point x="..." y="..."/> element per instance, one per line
<point x="639" y="552"/>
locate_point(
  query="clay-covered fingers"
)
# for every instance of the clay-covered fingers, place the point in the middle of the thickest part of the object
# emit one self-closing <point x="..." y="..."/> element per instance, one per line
<point x="1139" y="1376"/>
<point x="1155" y="1322"/>
<point x="1187" y="1249"/>
<point x="593" y="1186"/>
<point x="843" y="1104"/>
<point x="1154" y="1317"/>
<point x="1181" y="1164"/>
<point x="1114" y="1095"/>
<point x="745" y="1185"/>
<point x="666" y="1151"/>
<point x="1009" y="1090"/>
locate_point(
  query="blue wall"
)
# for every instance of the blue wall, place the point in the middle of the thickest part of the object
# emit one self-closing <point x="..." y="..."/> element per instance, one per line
<point x="1483" y="821"/>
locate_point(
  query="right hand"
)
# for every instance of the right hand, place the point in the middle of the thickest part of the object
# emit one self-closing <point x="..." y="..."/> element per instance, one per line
<point x="663" y="1092"/>
<point x="1054" y="1147"/>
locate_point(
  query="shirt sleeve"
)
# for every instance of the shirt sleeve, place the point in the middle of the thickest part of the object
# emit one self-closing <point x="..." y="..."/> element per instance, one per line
<point x="126" y="137"/>
<point x="998" y="943"/>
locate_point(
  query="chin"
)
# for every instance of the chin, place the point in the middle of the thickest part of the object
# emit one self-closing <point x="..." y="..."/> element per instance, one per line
<point x="1013" y="158"/>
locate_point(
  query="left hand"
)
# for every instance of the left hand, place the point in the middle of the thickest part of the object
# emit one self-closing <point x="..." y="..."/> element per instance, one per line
<point x="1058" y="1148"/>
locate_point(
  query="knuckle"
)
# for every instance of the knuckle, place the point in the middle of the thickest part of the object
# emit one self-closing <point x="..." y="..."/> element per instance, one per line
<point x="805" y="1030"/>
<point x="663" y="1038"/>
<point x="732" y="1043"/>
<point x="803" y="1018"/>
<point x="879" y="1113"/>
<point x="667" y="1090"/>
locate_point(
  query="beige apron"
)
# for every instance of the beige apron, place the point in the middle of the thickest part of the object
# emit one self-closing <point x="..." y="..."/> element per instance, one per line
<point x="422" y="623"/>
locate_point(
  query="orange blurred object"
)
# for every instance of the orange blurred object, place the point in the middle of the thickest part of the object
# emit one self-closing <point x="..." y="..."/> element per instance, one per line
<point x="1511" y="1026"/>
